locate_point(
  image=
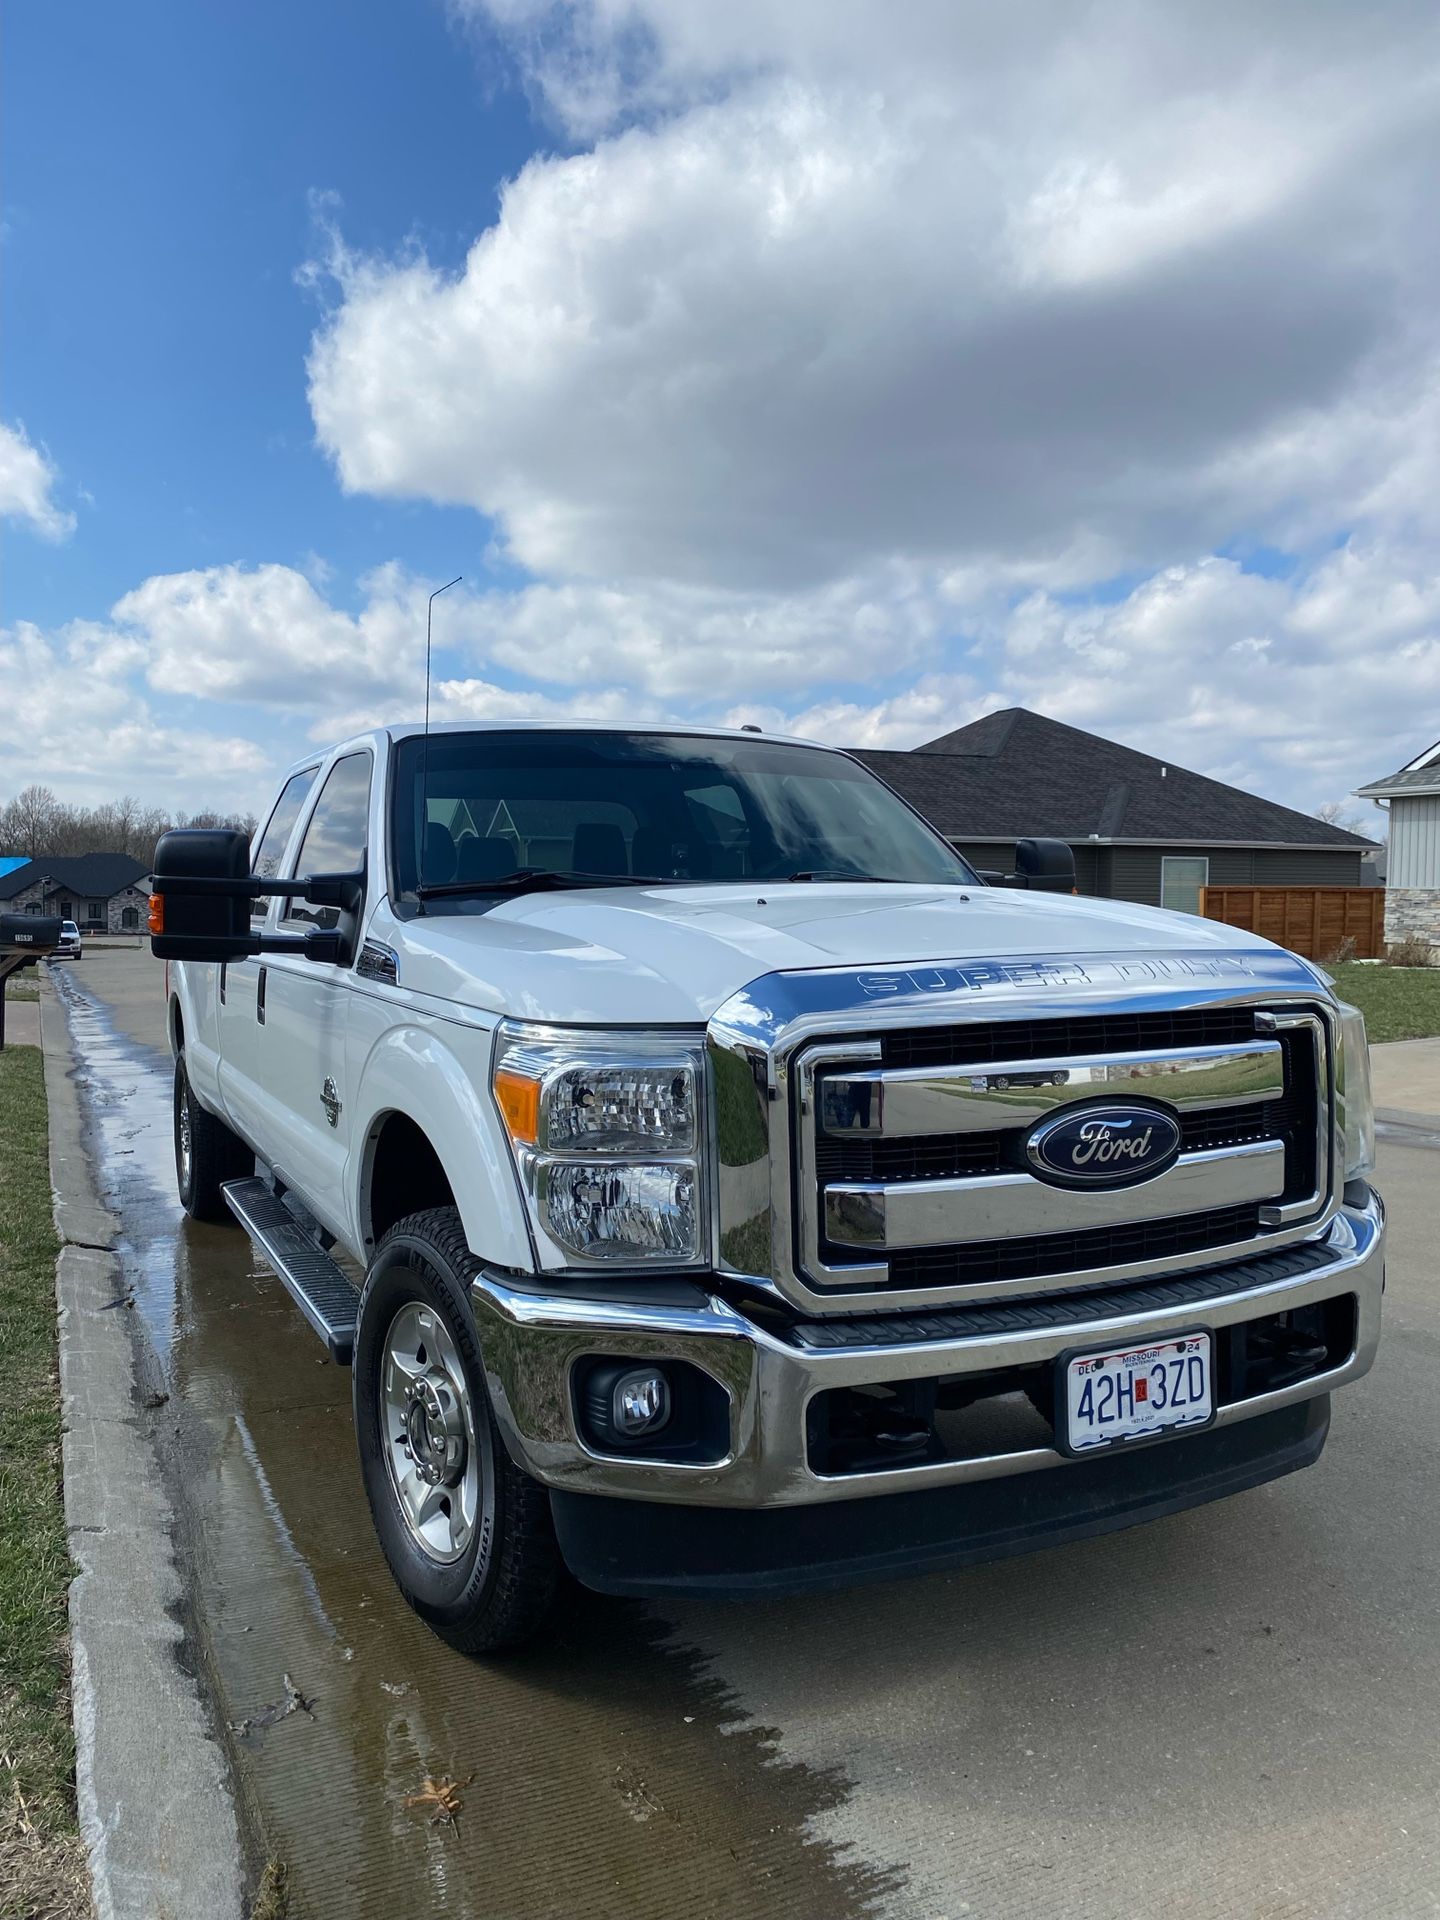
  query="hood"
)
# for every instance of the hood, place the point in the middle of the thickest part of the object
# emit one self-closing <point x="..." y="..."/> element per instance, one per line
<point x="669" y="956"/>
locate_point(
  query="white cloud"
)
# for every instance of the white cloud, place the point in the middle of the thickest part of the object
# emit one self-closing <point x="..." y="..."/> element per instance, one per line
<point x="27" y="481"/>
<point x="863" y="367"/>
<point x="940" y="283"/>
<point x="76" y="718"/>
<point x="1297" y="688"/>
<point x="267" y="634"/>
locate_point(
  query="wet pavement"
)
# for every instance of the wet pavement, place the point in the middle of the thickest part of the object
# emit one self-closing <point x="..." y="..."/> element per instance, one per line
<point x="1236" y="1711"/>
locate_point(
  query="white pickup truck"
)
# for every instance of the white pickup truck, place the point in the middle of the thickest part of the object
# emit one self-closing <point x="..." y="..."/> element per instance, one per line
<point x="717" y="1186"/>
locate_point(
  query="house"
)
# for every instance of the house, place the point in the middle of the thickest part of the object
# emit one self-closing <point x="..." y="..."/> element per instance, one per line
<point x="1141" y="829"/>
<point x="1412" y="879"/>
<point x="100" y="892"/>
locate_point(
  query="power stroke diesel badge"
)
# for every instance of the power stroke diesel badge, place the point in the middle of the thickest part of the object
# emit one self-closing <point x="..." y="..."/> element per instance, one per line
<point x="1109" y="1146"/>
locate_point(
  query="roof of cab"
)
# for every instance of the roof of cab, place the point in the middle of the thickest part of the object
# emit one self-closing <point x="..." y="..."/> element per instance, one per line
<point x="382" y="736"/>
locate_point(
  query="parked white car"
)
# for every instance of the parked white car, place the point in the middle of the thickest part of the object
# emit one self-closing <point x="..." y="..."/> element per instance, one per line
<point x="70" y="947"/>
<point x="749" y="1196"/>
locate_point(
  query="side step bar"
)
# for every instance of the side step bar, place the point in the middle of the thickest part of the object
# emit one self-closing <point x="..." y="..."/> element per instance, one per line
<point x="319" y="1285"/>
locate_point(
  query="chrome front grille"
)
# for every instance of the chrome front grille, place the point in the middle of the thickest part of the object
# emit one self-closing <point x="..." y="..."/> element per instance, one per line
<point x="910" y="1148"/>
<point x="1239" y="1046"/>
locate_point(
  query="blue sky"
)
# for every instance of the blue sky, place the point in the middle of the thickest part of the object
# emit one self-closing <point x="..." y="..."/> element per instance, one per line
<point x="843" y="369"/>
<point x="160" y="165"/>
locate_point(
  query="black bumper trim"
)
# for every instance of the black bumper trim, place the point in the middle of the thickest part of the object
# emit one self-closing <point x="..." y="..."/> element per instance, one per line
<point x="650" y="1550"/>
<point x="1023" y="1316"/>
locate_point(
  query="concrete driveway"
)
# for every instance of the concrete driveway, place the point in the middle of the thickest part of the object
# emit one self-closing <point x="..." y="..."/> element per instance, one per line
<point x="1235" y="1712"/>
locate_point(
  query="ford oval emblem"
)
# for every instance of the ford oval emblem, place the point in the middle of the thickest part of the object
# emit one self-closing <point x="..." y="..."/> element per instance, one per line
<point x="1104" y="1146"/>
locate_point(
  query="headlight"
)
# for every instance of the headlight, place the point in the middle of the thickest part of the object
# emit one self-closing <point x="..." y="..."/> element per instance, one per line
<point x="1357" y="1105"/>
<point x="605" y="1131"/>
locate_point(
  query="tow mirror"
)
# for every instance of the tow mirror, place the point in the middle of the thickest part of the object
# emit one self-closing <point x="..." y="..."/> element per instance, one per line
<point x="202" y="924"/>
<point x="1047" y="866"/>
<point x="200" y="909"/>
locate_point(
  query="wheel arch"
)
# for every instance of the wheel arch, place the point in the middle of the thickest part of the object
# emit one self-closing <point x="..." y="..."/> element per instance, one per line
<point x="426" y="1135"/>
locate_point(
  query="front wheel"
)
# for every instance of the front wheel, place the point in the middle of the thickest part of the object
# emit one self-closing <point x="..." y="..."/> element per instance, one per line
<point x="468" y="1536"/>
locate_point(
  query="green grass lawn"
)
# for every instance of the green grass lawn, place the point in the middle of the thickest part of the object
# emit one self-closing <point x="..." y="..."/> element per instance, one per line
<point x="1399" y="1003"/>
<point x="41" y="1864"/>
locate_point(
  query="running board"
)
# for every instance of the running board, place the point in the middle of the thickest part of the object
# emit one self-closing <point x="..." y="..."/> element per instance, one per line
<point x="317" y="1283"/>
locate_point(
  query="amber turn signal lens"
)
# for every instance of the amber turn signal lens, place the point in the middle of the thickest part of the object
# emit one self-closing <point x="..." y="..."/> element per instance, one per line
<point x="519" y="1098"/>
<point x="157" y="913"/>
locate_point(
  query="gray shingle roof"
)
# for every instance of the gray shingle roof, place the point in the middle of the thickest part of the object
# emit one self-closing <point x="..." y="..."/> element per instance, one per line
<point x="1418" y="780"/>
<point x="96" y="875"/>
<point x="1015" y="772"/>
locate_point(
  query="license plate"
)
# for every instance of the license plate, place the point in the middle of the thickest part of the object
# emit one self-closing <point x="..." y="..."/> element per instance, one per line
<point x="1134" y="1393"/>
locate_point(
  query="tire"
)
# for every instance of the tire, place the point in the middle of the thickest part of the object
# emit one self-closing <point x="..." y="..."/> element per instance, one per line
<point x="486" y="1572"/>
<point x="214" y="1154"/>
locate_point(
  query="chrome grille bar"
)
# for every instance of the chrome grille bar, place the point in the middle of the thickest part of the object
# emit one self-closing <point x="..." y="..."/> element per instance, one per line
<point x="879" y="1217"/>
<point x="919" y="1102"/>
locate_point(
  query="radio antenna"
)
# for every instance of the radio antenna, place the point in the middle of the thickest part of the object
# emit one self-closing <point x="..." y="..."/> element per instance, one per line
<point x="425" y="745"/>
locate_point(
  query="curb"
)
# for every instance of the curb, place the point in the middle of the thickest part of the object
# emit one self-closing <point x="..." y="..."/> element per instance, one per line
<point x="1398" y="1117"/>
<point x="152" y="1783"/>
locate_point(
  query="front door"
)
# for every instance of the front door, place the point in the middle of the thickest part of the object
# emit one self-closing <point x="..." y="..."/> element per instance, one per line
<point x="239" y="980"/>
<point x="300" y="1068"/>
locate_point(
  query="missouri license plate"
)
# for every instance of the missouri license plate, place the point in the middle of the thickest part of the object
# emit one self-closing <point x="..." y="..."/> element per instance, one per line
<point x="1134" y="1393"/>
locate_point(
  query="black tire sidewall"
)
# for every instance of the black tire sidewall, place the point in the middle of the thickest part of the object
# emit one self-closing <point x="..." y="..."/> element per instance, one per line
<point x="408" y="1266"/>
<point x="184" y="1183"/>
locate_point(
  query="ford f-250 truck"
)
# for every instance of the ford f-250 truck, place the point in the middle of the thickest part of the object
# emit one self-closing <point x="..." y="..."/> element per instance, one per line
<point x="746" y="1193"/>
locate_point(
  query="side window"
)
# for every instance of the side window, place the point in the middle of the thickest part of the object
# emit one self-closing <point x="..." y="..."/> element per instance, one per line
<point x="269" y="849"/>
<point x="335" y="838"/>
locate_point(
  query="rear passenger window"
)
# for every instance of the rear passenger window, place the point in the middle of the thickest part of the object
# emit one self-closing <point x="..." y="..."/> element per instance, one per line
<point x="273" y="841"/>
<point x="335" y="838"/>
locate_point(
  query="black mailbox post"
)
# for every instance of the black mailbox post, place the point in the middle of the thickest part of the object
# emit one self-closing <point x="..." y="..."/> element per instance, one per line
<point x="24" y="939"/>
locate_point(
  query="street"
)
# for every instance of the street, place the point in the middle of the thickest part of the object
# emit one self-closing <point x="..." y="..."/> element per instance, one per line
<point x="1233" y="1712"/>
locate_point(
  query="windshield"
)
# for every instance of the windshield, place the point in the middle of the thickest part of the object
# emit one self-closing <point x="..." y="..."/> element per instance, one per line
<point x="664" y="807"/>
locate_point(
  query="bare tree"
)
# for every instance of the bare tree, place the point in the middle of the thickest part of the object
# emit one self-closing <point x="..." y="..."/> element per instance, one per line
<point x="35" y="823"/>
<point x="1339" y="813"/>
<point x="29" y="823"/>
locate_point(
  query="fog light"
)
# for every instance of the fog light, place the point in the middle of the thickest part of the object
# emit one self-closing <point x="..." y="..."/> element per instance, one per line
<point x="640" y="1402"/>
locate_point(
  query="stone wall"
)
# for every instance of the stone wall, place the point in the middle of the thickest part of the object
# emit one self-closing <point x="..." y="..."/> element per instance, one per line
<point x="1411" y="910"/>
<point x="125" y="912"/>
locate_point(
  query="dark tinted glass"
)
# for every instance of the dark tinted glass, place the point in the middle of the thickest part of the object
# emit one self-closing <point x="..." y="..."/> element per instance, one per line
<point x="276" y="837"/>
<point x="335" y="838"/>
<point x="658" y="806"/>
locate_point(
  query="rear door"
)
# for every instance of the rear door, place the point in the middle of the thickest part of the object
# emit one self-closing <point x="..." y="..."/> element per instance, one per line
<point x="239" y="979"/>
<point x="300" y="1069"/>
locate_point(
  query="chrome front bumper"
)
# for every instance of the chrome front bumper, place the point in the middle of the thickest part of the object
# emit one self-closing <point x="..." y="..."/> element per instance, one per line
<point x="531" y="1341"/>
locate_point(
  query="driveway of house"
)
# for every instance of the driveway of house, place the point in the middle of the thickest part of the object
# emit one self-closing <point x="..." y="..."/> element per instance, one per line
<point x="1234" y="1712"/>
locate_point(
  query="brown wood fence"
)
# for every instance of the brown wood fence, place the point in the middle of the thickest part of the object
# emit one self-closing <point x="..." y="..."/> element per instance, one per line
<point x="1313" y="921"/>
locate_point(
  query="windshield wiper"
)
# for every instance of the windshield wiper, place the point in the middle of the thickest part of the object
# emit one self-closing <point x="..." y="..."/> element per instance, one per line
<point x="533" y="880"/>
<point x="841" y="873"/>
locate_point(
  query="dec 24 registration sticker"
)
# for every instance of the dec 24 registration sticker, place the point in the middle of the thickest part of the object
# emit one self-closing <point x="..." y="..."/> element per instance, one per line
<point x="1138" y="1391"/>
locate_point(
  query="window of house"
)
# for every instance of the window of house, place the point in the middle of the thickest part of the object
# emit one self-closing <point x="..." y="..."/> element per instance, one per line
<point x="94" y="910"/>
<point x="129" y="919"/>
<point x="1181" y="878"/>
<point x="336" y="836"/>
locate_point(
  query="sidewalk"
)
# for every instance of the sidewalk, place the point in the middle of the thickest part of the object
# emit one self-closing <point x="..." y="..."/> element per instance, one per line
<point x="152" y="1781"/>
<point x="1406" y="1077"/>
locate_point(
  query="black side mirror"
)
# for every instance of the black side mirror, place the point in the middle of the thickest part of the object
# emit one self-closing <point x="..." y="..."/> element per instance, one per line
<point x="208" y="923"/>
<point x="200" y="909"/>
<point x="1046" y="866"/>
